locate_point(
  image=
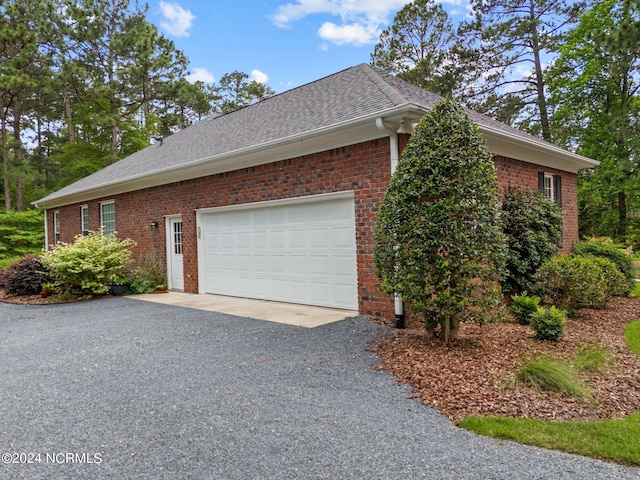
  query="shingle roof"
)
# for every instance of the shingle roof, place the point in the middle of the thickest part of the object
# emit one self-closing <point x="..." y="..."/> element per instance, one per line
<point x="353" y="93"/>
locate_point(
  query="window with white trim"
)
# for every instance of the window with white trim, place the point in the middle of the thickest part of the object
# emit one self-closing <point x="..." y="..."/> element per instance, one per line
<point x="56" y="226"/>
<point x="548" y="189"/>
<point x="84" y="219"/>
<point x="108" y="217"/>
<point x="550" y="185"/>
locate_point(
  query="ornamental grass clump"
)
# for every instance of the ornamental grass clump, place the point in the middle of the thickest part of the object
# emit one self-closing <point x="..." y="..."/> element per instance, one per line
<point x="87" y="265"/>
<point x="553" y="375"/>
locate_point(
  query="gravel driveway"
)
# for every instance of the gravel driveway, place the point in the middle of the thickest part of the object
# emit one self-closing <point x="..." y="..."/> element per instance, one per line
<point x="124" y="389"/>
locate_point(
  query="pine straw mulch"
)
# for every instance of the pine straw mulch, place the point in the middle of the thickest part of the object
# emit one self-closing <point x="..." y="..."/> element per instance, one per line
<point x="475" y="375"/>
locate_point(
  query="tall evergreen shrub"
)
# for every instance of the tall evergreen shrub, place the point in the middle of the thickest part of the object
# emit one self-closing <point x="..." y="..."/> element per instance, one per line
<point x="438" y="241"/>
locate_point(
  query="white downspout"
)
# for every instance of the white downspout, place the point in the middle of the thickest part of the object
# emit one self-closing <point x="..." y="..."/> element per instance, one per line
<point x="395" y="156"/>
<point x="46" y="231"/>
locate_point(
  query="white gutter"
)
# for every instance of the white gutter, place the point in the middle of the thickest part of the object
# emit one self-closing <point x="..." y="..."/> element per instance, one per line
<point x="395" y="157"/>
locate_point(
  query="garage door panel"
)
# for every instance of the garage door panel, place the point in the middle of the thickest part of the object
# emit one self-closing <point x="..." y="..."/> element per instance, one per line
<point x="299" y="252"/>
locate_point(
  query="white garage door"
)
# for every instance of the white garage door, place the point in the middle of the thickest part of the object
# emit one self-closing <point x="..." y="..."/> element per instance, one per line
<point x="301" y="251"/>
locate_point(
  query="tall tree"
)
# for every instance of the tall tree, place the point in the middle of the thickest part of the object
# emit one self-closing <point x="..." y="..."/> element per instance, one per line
<point x="596" y="94"/>
<point x="418" y="47"/>
<point x="509" y="41"/>
<point x="235" y="90"/>
<point x="20" y="22"/>
<point x="116" y="62"/>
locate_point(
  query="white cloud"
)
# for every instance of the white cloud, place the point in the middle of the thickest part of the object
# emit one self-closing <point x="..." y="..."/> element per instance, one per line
<point x="177" y="21"/>
<point x="360" y="20"/>
<point x="200" y="74"/>
<point x="354" y="34"/>
<point x="259" y="76"/>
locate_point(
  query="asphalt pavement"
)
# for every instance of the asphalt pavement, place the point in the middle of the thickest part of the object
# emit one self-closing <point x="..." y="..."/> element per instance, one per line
<point x="125" y="389"/>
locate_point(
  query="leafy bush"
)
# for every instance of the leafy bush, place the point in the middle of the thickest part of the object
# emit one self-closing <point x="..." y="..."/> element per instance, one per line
<point x="574" y="282"/>
<point x="554" y="375"/>
<point x="89" y="262"/>
<point x="548" y="323"/>
<point x="617" y="283"/>
<point x="25" y="276"/>
<point x="21" y="233"/>
<point x="149" y="275"/>
<point x="532" y="225"/>
<point x="523" y="307"/>
<point x="438" y="242"/>
<point x="605" y="248"/>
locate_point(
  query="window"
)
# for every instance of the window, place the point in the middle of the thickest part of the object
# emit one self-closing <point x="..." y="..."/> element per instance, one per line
<point x="56" y="227"/>
<point x="108" y="217"/>
<point x="177" y="238"/>
<point x="548" y="187"/>
<point x="551" y="186"/>
<point x="84" y="219"/>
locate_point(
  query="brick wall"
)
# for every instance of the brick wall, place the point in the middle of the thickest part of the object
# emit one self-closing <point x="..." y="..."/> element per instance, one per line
<point x="363" y="168"/>
<point x="522" y="175"/>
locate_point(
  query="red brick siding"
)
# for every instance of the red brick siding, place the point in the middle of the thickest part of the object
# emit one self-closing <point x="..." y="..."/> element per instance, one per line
<point x="363" y="168"/>
<point x="522" y="175"/>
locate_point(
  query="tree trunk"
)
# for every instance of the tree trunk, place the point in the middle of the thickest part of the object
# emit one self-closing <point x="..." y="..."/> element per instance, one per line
<point x="542" y="100"/>
<point x="5" y="161"/>
<point x="622" y="216"/>
<point x="450" y="328"/>
<point x="67" y="115"/>
<point x="19" y="196"/>
<point x="18" y="151"/>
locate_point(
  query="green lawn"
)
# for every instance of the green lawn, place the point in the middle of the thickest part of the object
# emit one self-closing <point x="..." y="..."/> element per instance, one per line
<point x="612" y="440"/>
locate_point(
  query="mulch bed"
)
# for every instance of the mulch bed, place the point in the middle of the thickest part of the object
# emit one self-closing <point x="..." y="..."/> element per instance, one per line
<point x="37" y="299"/>
<point x="475" y="375"/>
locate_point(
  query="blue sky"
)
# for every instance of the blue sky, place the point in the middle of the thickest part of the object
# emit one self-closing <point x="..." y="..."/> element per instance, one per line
<point x="282" y="43"/>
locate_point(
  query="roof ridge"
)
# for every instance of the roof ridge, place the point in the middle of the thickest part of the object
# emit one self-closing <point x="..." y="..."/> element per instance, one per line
<point x="377" y="78"/>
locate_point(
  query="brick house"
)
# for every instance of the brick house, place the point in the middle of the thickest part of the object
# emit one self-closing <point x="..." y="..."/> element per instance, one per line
<point x="278" y="200"/>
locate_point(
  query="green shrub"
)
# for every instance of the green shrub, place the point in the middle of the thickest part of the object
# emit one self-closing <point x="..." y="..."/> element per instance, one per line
<point x="548" y="323"/>
<point x="149" y="275"/>
<point x="617" y="284"/>
<point x="89" y="262"/>
<point x="604" y="248"/>
<point x="25" y="276"/>
<point x="438" y="241"/>
<point x="574" y="282"/>
<point x="532" y="225"/>
<point x="523" y="307"/>
<point x="553" y="375"/>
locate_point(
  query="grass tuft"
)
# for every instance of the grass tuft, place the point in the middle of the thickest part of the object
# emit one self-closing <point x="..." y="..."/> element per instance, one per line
<point x="592" y="359"/>
<point x="554" y="375"/>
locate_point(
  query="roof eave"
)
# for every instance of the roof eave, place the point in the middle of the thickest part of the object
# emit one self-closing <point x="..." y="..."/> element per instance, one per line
<point x="534" y="151"/>
<point x="335" y="136"/>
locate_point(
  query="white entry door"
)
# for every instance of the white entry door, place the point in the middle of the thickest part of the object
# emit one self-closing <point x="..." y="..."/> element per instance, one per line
<point x="174" y="254"/>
